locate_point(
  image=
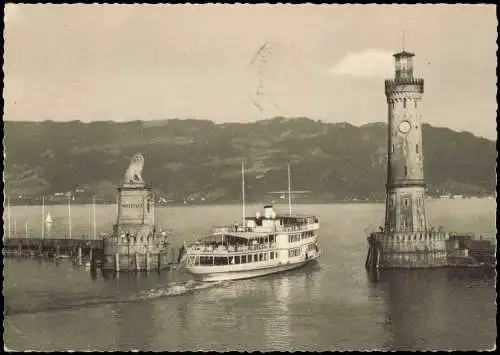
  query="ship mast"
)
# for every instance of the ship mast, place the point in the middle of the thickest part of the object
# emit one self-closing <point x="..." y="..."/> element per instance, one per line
<point x="154" y="210"/>
<point x="26" y="228"/>
<point x="289" y="192"/>
<point x="93" y="216"/>
<point x="69" y="214"/>
<point x="117" y="206"/>
<point x="243" y="190"/>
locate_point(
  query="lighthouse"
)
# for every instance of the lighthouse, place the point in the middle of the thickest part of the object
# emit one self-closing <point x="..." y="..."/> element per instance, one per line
<point x="405" y="197"/>
<point x="405" y="241"/>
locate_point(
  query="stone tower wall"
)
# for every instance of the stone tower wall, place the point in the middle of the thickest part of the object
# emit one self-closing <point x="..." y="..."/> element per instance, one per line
<point x="405" y="206"/>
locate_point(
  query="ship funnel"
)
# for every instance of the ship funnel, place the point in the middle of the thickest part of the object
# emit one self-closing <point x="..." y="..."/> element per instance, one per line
<point x="268" y="211"/>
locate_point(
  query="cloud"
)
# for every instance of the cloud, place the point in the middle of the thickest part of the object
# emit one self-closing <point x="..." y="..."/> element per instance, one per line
<point x="368" y="63"/>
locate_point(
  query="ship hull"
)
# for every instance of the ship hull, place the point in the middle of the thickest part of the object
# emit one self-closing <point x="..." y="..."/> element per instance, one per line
<point x="227" y="275"/>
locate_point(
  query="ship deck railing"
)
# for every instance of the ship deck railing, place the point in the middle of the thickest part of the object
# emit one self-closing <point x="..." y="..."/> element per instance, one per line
<point x="204" y="249"/>
<point x="259" y="231"/>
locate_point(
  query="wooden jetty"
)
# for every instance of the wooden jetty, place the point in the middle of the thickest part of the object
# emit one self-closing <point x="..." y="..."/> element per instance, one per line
<point x="80" y="248"/>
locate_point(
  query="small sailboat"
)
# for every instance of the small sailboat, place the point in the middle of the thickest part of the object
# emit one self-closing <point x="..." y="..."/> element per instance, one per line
<point x="48" y="218"/>
<point x="43" y="214"/>
<point x="48" y="224"/>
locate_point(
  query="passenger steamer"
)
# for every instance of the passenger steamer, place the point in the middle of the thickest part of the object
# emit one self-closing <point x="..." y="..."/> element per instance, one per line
<point x="257" y="246"/>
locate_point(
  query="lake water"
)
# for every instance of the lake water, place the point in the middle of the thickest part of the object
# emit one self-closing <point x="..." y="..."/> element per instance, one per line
<point x="331" y="305"/>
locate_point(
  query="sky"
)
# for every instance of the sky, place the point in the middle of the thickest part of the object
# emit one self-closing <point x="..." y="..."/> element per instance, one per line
<point x="242" y="63"/>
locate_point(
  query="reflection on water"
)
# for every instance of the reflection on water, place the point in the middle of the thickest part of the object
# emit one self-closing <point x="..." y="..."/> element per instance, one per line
<point x="251" y="314"/>
<point x="279" y="324"/>
<point x="438" y="309"/>
<point x="416" y="310"/>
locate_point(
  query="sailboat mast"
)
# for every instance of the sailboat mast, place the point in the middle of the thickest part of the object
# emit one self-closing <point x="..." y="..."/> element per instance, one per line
<point x="243" y="190"/>
<point x="289" y="192"/>
<point x="93" y="216"/>
<point x="8" y="212"/>
<point x="43" y="216"/>
<point x="69" y="214"/>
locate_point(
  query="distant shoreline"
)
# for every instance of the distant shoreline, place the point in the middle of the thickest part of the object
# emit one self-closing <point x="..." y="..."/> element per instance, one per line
<point x="221" y="203"/>
<point x="235" y="203"/>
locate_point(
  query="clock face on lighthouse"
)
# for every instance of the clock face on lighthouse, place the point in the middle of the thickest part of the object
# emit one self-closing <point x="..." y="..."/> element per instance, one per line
<point x="404" y="127"/>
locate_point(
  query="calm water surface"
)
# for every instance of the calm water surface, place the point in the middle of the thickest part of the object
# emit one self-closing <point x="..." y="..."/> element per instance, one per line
<point x="331" y="305"/>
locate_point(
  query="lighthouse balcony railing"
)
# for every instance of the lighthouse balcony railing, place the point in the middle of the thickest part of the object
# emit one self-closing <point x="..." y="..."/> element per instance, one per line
<point x="409" y="236"/>
<point x="391" y="83"/>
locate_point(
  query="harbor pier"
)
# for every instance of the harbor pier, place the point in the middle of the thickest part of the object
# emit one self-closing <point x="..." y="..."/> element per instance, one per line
<point x="135" y="243"/>
<point x="81" y="249"/>
<point x="88" y="251"/>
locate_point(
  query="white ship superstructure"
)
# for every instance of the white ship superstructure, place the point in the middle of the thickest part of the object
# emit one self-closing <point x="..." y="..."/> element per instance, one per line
<point x="255" y="246"/>
<point x="263" y="245"/>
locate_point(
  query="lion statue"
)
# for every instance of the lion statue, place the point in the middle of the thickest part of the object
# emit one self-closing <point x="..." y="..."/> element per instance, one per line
<point x="134" y="170"/>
